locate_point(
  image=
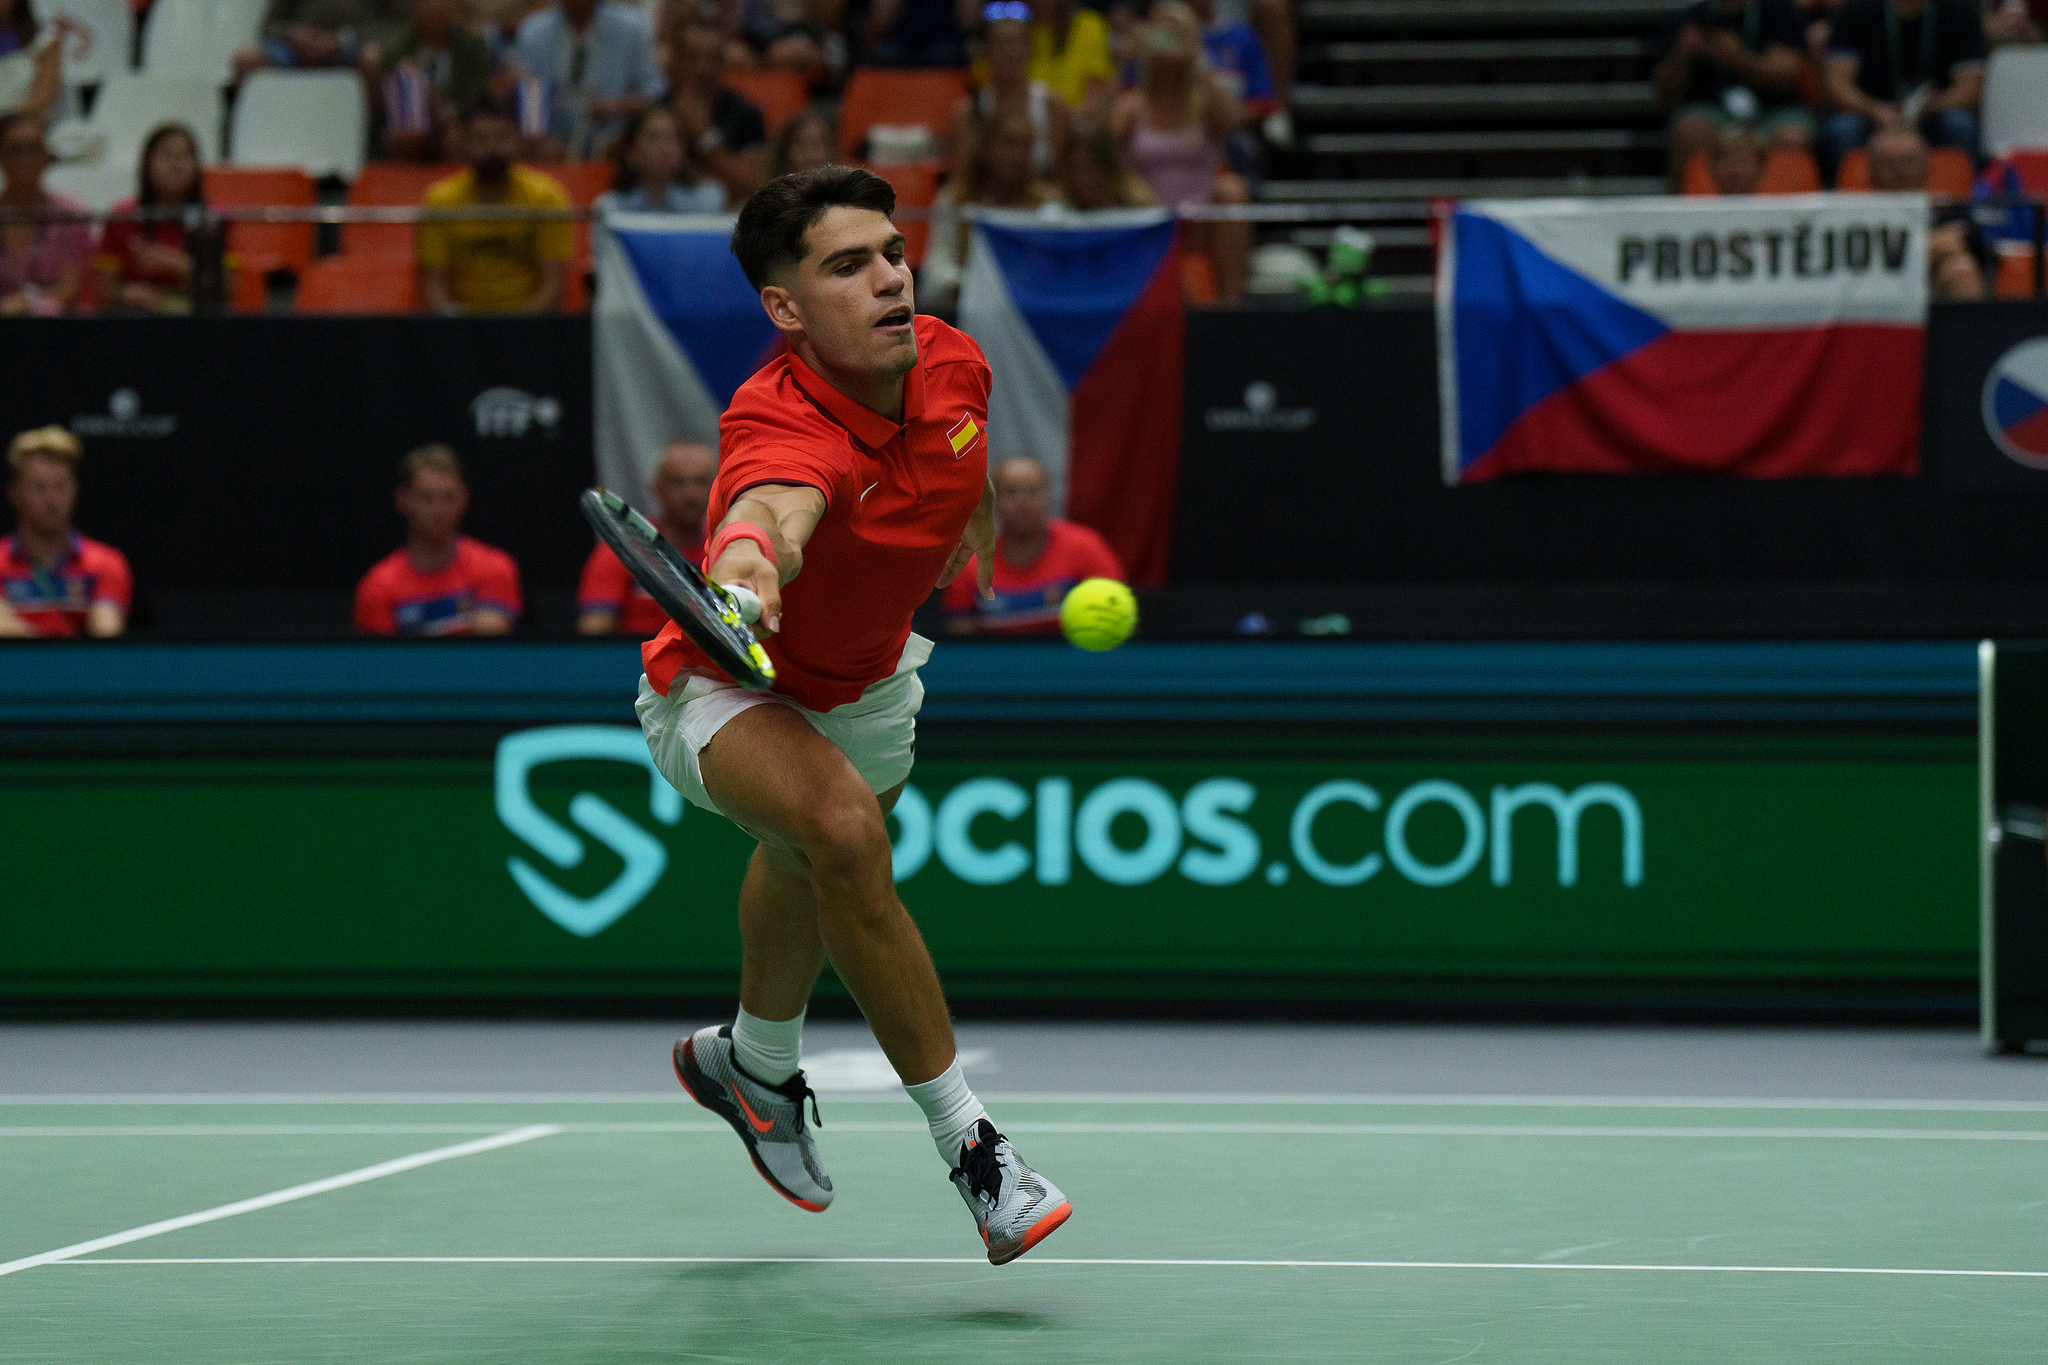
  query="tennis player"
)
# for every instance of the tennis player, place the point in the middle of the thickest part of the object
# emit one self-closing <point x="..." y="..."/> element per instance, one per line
<point x="853" y="481"/>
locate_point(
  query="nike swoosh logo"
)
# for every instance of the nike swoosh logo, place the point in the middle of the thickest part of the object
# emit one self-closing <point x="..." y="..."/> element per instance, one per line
<point x="748" y="1110"/>
<point x="869" y="489"/>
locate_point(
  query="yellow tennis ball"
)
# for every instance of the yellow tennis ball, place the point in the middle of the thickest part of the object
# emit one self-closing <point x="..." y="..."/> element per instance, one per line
<point x="1098" y="613"/>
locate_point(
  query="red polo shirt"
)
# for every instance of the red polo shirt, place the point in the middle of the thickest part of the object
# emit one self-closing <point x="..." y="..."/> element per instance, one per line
<point x="1028" y="596"/>
<point x="608" y="585"/>
<point x="897" y="499"/>
<point x="394" y="598"/>
<point x="56" y="600"/>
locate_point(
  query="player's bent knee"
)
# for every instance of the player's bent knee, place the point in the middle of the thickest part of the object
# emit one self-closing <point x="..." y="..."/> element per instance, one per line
<point x="842" y="834"/>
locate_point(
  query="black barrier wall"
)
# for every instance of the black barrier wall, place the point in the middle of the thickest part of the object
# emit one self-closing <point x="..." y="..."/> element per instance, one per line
<point x="232" y="458"/>
<point x="227" y="456"/>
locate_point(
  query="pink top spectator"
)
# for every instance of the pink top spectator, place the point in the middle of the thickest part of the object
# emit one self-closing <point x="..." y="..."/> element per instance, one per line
<point x="58" y="246"/>
<point x="1179" y="165"/>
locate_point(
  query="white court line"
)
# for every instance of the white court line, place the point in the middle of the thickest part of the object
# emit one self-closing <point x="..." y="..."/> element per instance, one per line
<point x="1402" y="1100"/>
<point x="1480" y="1130"/>
<point x="1068" y="1261"/>
<point x="286" y="1196"/>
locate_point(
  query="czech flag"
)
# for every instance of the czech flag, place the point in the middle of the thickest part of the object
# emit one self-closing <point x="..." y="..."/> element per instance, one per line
<point x="1081" y="321"/>
<point x="1768" y="337"/>
<point x="675" y="330"/>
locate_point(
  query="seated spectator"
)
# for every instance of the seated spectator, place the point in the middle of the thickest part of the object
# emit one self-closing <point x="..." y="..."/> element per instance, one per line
<point x="597" y="57"/>
<point x="499" y="265"/>
<point x="1096" y="176"/>
<point x="997" y="175"/>
<point x="437" y="67"/>
<point x="54" y="581"/>
<point x="1957" y="254"/>
<point x="609" y="600"/>
<point x="805" y="143"/>
<point x="1732" y="63"/>
<point x="1039" y="558"/>
<point x="1173" y="128"/>
<point x="440" y="582"/>
<point x="1010" y="88"/>
<point x="1238" y="59"/>
<point x="1070" y="53"/>
<point x="2015" y="21"/>
<point x="32" y="57"/>
<point x="651" y="173"/>
<point x="802" y="36"/>
<point x="1737" y="165"/>
<point x="43" y="264"/>
<point x="1903" y="63"/>
<point x="146" y="267"/>
<point x="722" y="128"/>
<point x="903" y="33"/>
<point x="312" y="34"/>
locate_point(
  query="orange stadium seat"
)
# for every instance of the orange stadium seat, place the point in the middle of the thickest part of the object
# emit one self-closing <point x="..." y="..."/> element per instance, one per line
<point x="779" y="95"/>
<point x="917" y="185"/>
<point x="259" y="248"/>
<point x="2015" y="275"/>
<point x="359" y="284"/>
<point x="877" y="95"/>
<point x="1948" y="172"/>
<point x="1786" y="171"/>
<point x="388" y="184"/>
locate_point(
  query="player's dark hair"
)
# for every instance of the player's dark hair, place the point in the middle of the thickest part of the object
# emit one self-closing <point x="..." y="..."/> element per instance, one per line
<point x="437" y="457"/>
<point x="770" y="232"/>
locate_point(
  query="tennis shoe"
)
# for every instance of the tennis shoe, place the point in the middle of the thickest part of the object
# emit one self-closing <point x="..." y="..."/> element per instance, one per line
<point x="768" y="1118"/>
<point x="1014" y="1207"/>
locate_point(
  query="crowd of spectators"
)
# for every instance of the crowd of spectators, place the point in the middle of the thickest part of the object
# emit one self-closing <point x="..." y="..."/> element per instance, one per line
<point x="1822" y="76"/>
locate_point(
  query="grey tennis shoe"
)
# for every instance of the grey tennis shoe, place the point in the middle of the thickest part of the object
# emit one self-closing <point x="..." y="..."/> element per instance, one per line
<point x="768" y="1118"/>
<point x="1014" y="1207"/>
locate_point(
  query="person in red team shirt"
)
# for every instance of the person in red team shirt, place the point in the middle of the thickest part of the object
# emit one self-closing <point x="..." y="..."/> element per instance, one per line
<point x="439" y="582"/>
<point x="54" y="581"/>
<point x="1039" y="558"/>
<point x="853" y="480"/>
<point x="608" y="600"/>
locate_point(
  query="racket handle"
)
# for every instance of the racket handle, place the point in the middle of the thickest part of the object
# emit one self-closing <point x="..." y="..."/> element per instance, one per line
<point x="743" y="597"/>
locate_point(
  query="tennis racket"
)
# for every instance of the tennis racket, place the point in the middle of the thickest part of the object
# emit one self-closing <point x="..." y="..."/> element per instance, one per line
<point x="714" y="617"/>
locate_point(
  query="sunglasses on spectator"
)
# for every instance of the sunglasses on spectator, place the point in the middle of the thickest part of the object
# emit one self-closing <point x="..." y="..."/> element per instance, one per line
<point x="997" y="10"/>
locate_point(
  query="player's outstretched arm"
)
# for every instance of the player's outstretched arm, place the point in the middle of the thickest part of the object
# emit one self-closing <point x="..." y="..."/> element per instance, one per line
<point x="978" y="543"/>
<point x="786" y="514"/>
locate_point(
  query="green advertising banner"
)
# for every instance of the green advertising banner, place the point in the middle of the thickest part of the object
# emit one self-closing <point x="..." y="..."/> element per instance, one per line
<point x="1043" y="859"/>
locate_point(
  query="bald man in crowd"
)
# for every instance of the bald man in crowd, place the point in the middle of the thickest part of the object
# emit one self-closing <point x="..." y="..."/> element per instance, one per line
<point x="1898" y="163"/>
<point x="608" y="600"/>
<point x="1038" y="558"/>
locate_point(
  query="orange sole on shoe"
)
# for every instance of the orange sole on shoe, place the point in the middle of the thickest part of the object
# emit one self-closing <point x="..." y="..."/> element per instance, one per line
<point x="1040" y="1230"/>
<point x="676" y="1058"/>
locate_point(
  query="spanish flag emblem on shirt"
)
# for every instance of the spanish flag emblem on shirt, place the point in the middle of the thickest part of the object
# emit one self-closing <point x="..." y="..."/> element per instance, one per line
<point x="963" y="434"/>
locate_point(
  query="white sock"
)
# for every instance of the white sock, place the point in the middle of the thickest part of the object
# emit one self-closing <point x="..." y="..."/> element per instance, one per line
<point x="768" y="1049"/>
<point x="951" y="1110"/>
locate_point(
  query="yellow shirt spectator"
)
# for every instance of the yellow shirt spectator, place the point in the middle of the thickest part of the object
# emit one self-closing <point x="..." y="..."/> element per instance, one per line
<point x="1085" y="57"/>
<point x="494" y="266"/>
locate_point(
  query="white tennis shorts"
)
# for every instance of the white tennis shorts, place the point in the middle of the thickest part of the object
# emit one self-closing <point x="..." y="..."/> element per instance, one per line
<point x="877" y="730"/>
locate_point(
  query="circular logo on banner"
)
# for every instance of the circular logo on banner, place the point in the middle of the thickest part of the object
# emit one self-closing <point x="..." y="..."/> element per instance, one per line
<point x="2016" y="403"/>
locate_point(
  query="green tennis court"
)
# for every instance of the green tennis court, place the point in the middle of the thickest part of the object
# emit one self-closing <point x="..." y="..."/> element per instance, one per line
<point x="1281" y="1228"/>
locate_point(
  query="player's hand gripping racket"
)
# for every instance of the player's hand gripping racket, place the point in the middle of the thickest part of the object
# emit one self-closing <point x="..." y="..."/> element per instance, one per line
<point x="714" y="617"/>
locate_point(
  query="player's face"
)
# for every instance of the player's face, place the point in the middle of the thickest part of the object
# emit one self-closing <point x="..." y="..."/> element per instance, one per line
<point x="1023" y="498"/>
<point x="44" y="496"/>
<point x="850" y="296"/>
<point x="433" y="504"/>
<point x="683" y="485"/>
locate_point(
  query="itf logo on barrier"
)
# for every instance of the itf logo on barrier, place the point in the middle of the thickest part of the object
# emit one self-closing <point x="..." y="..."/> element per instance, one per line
<point x="645" y="856"/>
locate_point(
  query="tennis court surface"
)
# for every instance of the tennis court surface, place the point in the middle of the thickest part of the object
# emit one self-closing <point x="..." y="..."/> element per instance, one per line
<point x="230" y="1193"/>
